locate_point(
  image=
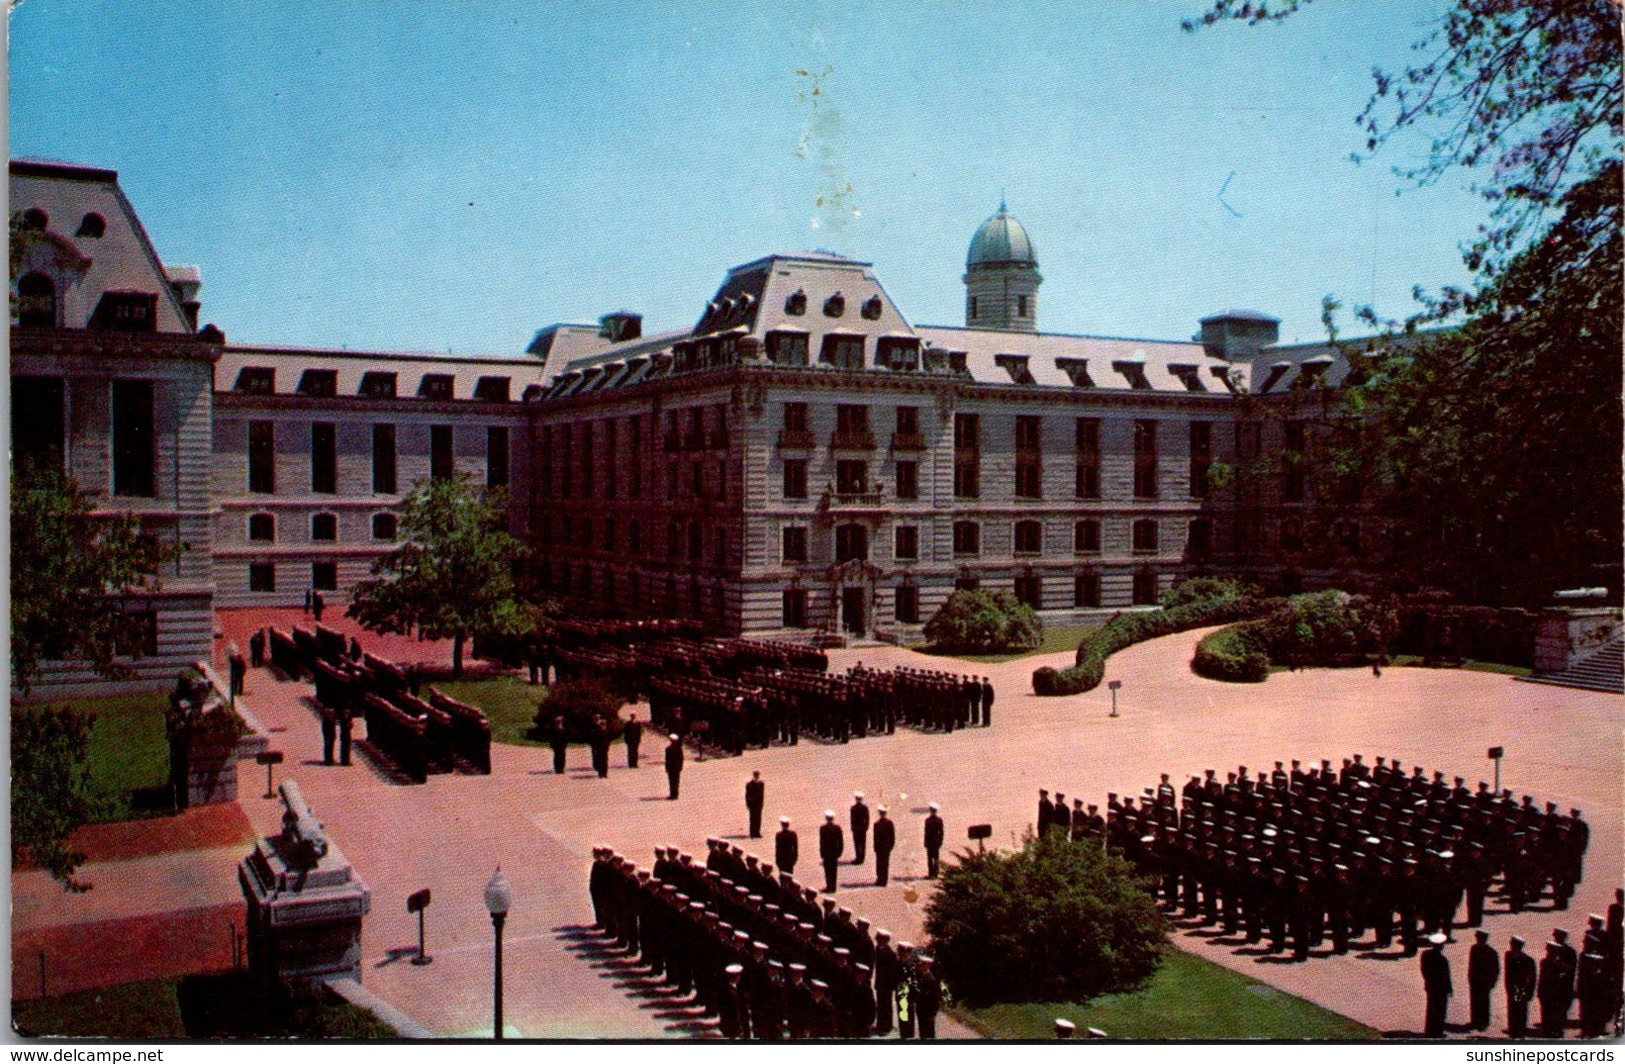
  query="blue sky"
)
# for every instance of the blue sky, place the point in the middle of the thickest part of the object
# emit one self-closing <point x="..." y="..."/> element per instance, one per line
<point x="454" y="175"/>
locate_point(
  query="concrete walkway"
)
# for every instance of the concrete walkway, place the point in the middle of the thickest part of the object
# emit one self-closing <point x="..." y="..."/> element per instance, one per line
<point x="450" y="833"/>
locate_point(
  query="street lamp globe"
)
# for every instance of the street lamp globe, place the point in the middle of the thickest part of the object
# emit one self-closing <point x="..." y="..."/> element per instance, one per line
<point x="498" y="895"/>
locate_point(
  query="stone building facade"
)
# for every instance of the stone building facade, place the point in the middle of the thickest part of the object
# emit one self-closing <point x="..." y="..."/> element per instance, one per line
<point x="803" y="458"/>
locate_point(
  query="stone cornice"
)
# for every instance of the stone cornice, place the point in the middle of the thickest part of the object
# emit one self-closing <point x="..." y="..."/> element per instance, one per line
<point x="276" y="404"/>
<point x="84" y="343"/>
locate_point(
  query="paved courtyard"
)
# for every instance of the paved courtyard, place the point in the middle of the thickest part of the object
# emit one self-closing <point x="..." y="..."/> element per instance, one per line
<point x="450" y="833"/>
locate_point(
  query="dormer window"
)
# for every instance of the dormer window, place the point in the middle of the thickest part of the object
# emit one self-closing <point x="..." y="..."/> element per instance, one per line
<point x="1077" y="371"/>
<point x="835" y="306"/>
<point x="256" y="380"/>
<point x="796" y="304"/>
<point x="1016" y="366"/>
<point x="899" y="353"/>
<point x="1133" y="371"/>
<point x="1312" y="371"/>
<point x="36" y="302"/>
<point x="492" y="389"/>
<point x="1189" y="376"/>
<point x="871" y="308"/>
<point x="131" y="312"/>
<point x="435" y="386"/>
<point x="92" y="226"/>
<point x="1277" y="371"/>
<point x="319" y="383"/>
<point x="378" y="385"/>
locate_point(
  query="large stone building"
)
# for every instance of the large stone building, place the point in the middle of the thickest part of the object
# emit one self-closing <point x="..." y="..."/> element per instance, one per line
<point x="802" y="458"/>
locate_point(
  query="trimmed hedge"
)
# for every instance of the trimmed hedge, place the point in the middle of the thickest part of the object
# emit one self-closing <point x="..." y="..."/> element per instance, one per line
<point x="1235" y="654"/>
<point x="1227" y="602"/>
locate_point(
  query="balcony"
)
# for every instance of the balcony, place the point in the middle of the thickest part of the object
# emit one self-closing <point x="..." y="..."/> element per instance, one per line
<point x="796" y="440"/>
<point x="907" y="441"/>
<point x="855" y="440"/>
<point x="860" y="500"/>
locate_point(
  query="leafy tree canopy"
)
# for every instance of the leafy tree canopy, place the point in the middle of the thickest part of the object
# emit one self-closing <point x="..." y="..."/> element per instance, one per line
<point x="984" y="622"/>
<point x="453" y="575"/>
<point x="69" y="569"/>
<point x="1055" y="921"/>
<point x="50" y="788"/>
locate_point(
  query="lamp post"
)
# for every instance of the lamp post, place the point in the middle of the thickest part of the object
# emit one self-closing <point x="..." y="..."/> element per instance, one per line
<point x="498" y="899"/>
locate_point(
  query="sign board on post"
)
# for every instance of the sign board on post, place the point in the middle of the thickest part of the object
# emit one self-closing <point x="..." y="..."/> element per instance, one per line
<point x="416" y="903"/>
<point x="269" y="758"/>
<point x="979" y="832"/>
<point x="1495" y="754"/>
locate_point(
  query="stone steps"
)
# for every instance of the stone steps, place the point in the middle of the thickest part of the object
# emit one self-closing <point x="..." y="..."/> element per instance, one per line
<point x="1603" y="670"/>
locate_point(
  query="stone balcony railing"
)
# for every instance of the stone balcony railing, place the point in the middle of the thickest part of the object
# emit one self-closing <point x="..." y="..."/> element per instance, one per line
<point x="855" y="440"/>
<point x="796" y="440"/>
<point x="907" y="441"/>
<point x="855" y="500"/>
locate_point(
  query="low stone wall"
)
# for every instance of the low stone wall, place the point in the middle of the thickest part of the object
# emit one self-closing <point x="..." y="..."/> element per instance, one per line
<point x="1566" y="633"/>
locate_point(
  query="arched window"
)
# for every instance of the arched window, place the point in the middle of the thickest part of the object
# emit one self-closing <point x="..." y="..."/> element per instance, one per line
<point x="1086" y="537"/>
<point x="36" y="301"/>
<point x="92" y="225"/>
<point x="1029" y="537"/>
<point x="324" y="527"/>
<point x="383" y="527"/>
<point x="262" y="528"/>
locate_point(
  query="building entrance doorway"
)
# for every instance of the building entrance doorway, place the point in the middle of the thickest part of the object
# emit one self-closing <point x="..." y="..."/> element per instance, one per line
<point x="854" y="610"/>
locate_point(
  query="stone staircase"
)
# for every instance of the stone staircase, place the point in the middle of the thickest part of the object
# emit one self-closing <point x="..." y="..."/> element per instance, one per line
<point x="1602" y="670"/>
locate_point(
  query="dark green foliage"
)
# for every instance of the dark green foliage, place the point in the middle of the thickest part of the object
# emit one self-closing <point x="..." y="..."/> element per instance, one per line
<point x="1482" y="633"/>
<point x="50" y="788"/>
<point x="1227" y="601"/>
<point x="453" y="577"/>
<point x="1055" y="921"/>
<point x="237" y="1005"/>
<point x="1235" y="654"/>
<point x="68" y="569"/>
<point x="984" y="622"/>
<point x="583" y="704"/>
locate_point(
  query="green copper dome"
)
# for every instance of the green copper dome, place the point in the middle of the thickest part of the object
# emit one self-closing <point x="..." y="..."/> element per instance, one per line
<point x="1001" y="239"/>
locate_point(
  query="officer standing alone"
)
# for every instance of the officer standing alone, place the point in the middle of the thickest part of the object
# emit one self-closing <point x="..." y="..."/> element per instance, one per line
<point x="786" y="848"/>
<point x="831" y="844"/>
<point x="755" y="798"/>
<point x="885" y="842"/>
<point x="860" y="828"/>
<point x="674" y="765"/>
<point x="933" y="842"/>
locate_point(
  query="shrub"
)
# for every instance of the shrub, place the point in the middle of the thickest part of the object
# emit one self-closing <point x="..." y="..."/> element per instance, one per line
<point x="583" y="704"/>
<point x="1235" y="654"/>
<point x="1227" y="601"/>
<point x="1431" y="629"/>
<point x="984" y="622"/>
<point x="1055" y="921"/>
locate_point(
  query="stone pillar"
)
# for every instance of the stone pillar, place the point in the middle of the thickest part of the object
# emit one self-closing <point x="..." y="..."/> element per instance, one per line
<point x="1565" y="633"/>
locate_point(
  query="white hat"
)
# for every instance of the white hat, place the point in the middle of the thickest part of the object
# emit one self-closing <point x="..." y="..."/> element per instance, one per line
<point x="829" y="814"/>
<point x="858" y="795"/>
<point x="1438" y="938"/>
<point x="933" y="807"/>
<point x="675" y="738"/>
<point x="784" y="820"/>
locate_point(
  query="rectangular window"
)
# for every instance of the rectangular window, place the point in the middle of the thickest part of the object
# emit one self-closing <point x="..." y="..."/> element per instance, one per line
<point x="795" y="478"/>
<point x="908" y="604"/>
<point x="442" y="464"/>
<point x="38" y="423"/>
<point x="908" y="421"/>
<point x="1145" y="536"/>
<point x="584" y="448"/>
<point x="908" y="480"/>
<point x="1086" y="590"/>
<point x="492" y="389"/>
<point x="135" y="456"/>
<point x="1145" y="459"/>
<point x="967" y="432"/>
<point x="907" y="543"/>
<point x="851" y="543"/>
<point x="851" y="418"/>
<point x="787" y="348"/>
<point x="1201" y="457"/>
<point x="843" y="352"/>
<point x="262" y="576"/>
<point x="319" y="383"/>
<point x="1293" y="459"/>
<point x="967" y="476"/>
<point x="1086" y="537"/>
<point x="851" y="477"/>
<point x="324" y="470"/>
<point x="967" y="538"/>
<point x="1029" y="478"/>
<point x="795" y="608"/>
<point x="496" y="456"/>
<point x="1029" y="536"/>
<point x="612" y="466"/>
<point x="635" y="427"/>
<point x="1030" y="591"/>
<point x="436" y="386"/>
<point x="1029" y="432"/>
<point x="1145" y="589"/>
<point x="376" y="384"/>
<point x="795" y="417"/>
<point x="794" y="545"/>
<point x="1088" y="480"/>
<point x="256" y="380"/>
<point x="262" y="457"/>
<point x="324" y="576"/>
<point x="383" y="459"/>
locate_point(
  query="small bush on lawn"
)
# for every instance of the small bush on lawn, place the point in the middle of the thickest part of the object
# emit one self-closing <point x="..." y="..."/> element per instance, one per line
<point x="583" y="704"/>
<point x="1223" y="601"/>
<point x="1055" y="921"/>
<point x="984" y="622"/>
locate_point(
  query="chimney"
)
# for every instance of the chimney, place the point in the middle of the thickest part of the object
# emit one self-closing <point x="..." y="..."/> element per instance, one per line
<point x="620" y="325"/>
<point x="1238" y="335"/>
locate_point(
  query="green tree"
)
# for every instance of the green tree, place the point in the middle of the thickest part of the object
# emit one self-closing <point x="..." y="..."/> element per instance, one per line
<point x="1055" y="921"/>
<point x="70" y="571"/>
<point x="453" y="575"/>
<point x="50" y="788"/>
<point x="1495" y="446"/>
<point x="976" y="622"/>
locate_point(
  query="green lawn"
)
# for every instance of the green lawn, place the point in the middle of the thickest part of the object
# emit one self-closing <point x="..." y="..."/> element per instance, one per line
<point x="1188" y="998"/>
<point x="509" y="703"/>
<point x="1054" y="641"/>
<point x="195" y="1006"/>
<point x="128" y="754"/>
<point x="1402" y="661"/>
